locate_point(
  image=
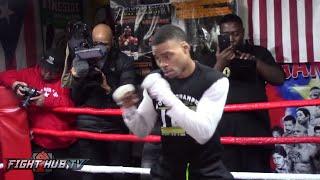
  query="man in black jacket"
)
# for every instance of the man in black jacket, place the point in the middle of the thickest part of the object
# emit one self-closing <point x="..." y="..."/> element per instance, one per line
<point x="95" y="90"/>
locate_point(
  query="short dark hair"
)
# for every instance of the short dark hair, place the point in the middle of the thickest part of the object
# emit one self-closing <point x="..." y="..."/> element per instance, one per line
<point x="278" y="129"/>
<point x="279" y="150"/>
<point x="230" y="18"/>
<point x="314" y="87"/>
<point x="305" y="111"/>
<point x="168" y="32"/>
<point x="289" y="118"/>
<point x="316" y="128"/>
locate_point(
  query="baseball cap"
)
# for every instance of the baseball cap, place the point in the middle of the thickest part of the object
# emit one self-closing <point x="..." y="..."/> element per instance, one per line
<point x="53" y="60"/>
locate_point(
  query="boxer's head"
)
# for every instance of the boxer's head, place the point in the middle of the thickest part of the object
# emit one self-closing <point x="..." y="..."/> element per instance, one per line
<point x="172" y="52"/>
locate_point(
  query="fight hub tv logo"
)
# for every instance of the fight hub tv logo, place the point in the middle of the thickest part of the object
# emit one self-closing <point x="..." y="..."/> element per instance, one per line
<point x="44" y="162"/>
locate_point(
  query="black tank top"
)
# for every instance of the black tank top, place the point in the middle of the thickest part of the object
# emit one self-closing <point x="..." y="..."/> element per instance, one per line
<point x="176" y="143"/>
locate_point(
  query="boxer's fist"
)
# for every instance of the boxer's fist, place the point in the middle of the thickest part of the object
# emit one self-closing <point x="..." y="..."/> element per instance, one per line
<point x="125" y="96"/>
<point x="157" y="87"/>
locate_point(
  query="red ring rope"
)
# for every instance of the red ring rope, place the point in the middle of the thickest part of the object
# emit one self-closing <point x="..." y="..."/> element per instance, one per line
<point x="270" y="105"/>
<point x="96" y="136"/>
<point x="228" y="108"/>
<point x="93" y="111"/>
<point x="153" y="138"/>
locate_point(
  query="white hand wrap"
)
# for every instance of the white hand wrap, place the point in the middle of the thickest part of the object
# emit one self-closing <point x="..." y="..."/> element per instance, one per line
<point x="121" y="91"/>
<point x="150" y="80"/>
<point x="158" y="88"/>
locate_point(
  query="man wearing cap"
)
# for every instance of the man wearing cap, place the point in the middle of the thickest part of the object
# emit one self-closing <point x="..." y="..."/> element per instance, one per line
<point x="44" y="77"/>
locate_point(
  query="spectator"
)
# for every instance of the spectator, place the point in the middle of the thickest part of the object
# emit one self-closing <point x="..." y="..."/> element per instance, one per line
<point x="95" y="90"/>
<point x="256" y="66"/>
<point x="45" y="77"/>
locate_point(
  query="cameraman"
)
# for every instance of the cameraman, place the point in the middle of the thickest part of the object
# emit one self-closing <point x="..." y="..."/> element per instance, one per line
<point x="95" y="90"/>
<point x="45" y="78"/>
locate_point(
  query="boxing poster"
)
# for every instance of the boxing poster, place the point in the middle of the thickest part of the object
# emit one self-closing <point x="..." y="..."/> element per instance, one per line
<point x="135" y="26"/>
<point x="302" y="82"/>
<point x="55" y="14"/>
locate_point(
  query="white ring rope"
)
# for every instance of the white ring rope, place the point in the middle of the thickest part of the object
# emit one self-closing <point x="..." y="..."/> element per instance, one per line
<point x="274" y="176"/>
<point x="114" y="169"/>
<point x="237" y="175"/>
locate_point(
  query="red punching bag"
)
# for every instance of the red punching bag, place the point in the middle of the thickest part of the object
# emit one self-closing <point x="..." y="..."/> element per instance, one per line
<point x="14" y="135"/>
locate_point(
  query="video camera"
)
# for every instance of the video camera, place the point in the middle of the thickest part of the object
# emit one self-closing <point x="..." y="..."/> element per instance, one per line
<point x="82" y="48"/>
<point x="28" y="92"/>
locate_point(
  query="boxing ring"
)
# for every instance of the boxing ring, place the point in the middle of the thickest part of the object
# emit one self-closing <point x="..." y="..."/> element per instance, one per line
<point x="15" y="140"/>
